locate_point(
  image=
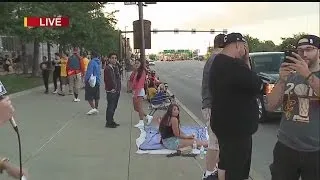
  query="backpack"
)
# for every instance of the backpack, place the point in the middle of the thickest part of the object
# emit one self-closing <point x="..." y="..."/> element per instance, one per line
<point x="74" y="63"/>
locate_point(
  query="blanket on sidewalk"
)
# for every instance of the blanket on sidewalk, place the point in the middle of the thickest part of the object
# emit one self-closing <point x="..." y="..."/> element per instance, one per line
<point x="149" y="140"/>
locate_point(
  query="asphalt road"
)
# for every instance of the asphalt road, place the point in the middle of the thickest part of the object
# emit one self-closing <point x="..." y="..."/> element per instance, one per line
<point x="184" y="79"/>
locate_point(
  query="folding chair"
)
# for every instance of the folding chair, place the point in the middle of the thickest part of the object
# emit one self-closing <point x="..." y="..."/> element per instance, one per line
<point x="160" y="102"/>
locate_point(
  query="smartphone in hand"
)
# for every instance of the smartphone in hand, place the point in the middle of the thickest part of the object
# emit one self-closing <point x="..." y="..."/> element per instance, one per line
<point x="289" y="53"/>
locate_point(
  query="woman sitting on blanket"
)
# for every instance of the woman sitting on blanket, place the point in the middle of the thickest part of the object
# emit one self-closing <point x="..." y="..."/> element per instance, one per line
<point x="171" y="136"/>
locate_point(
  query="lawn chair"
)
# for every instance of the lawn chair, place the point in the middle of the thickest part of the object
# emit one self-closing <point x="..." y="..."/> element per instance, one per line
<point x="160" y="102"/>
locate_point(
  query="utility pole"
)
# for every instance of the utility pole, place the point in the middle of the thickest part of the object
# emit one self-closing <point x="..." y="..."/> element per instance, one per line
<point x="120" y="44"/>
<point x="142" y="46"/>
<point x="125" y="42"/>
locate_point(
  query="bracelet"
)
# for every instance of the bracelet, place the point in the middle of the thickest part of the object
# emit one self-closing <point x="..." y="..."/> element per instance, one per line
<point x="308" y="77"/>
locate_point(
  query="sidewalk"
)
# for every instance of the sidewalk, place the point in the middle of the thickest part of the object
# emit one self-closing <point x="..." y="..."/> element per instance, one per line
<point x="60" y="142"/>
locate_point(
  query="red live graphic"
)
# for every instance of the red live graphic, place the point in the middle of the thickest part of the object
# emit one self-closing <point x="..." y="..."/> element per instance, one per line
<point x="46" y="22"/>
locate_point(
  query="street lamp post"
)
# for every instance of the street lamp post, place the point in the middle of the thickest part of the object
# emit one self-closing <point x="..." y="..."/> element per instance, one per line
<point x="142" y="46"/>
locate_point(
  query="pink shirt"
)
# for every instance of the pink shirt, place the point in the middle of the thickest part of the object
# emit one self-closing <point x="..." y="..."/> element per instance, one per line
<point x="138" y="85"/>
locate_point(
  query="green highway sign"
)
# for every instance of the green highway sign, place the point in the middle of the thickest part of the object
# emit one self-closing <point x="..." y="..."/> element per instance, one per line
<point x="130" y="3"/>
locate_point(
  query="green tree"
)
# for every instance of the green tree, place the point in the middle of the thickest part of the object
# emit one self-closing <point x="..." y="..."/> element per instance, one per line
<point x="89" y="29"/>
<point x="153" y="57"/>
<point x="266" y="46"/>
<point x="14" y="26"/>
<point x="255" y="45"/>
<point x="289" y="42"/>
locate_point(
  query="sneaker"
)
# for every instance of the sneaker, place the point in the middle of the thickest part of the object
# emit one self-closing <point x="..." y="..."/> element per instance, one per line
<point x="213" y="176"/>
<point x="46" y="92"/>
<point x="149" y="119"/>
<point x="116" y="124"/>
<point x="92" y="111"/>
<point x="61" y="94"/>
<point x="76" y="100"/>
<point x="110" y="125"/>
<point x="140" y="124"/>
<point x="55" y="92"/>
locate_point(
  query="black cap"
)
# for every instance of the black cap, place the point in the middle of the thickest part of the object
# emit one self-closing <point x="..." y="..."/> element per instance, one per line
<point x="219" y="41"/>
<point x="94" y="54"/>
<point x="232" y="38"/>
<point x="309" y="40"/>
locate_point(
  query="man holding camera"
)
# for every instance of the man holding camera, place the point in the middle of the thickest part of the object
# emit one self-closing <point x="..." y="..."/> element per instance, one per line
<point x="234" y="109"/>
<point x="297" y="152"/>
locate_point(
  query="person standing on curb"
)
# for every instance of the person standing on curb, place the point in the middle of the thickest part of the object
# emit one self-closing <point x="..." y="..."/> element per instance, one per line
<point x="92" y="91"/>
<point x="45" y="68"/>
<point x="85" y="61"/>
<point x="296" y="154"/>
<point x="75" y="70"/>
<point x="56" y="72"/>
<point x="112" y="82"/>
<point x="213" y="146"/>
<point x="234" y="118"/>
<point x="138" y="83"/>
<point x="63" y="74"/>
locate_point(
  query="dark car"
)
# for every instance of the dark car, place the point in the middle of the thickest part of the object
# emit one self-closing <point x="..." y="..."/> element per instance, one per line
<point x="266" y="65"/>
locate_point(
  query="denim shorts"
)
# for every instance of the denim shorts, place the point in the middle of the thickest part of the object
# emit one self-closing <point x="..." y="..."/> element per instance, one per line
<point x="171" y="143"/>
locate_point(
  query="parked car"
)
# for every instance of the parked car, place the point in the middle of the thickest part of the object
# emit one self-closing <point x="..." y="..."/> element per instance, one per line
<point x="151" y="63"/>
<point x="267" y="65"/>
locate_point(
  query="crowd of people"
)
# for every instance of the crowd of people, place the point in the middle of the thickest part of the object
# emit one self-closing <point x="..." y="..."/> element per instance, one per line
<point x="228" y="83"/>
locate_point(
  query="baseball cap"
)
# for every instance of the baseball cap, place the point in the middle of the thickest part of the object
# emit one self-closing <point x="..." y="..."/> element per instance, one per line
<point x="309" y="40"/>
<point x="219" y="41"/>
<point x="232" y="38"/>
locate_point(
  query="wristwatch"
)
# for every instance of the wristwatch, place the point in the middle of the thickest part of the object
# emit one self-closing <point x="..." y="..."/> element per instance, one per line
<point x="1" y="164"/>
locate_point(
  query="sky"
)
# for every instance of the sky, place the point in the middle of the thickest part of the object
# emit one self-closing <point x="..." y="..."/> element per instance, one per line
<point x="263" y="20"/>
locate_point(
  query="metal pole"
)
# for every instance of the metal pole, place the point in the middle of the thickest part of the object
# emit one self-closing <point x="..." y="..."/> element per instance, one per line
<point x="125" y="43"/>
<point x="120" y="44"/>
<point x="142" y="46"/>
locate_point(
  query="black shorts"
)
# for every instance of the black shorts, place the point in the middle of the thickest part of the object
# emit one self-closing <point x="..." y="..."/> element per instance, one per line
<point x="235" y="157"/>
<point x="289" y="164"/>
<point x="91" y="93"/>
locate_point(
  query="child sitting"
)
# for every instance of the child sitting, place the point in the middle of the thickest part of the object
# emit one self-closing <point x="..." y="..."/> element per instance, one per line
<point x="152" y="91"/>
<point x="171" y="136"/>
<point x="160" y="97"/>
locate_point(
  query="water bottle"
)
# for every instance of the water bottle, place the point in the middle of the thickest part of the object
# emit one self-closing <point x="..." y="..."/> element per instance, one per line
<point x="194" y="147"/>
<point x="202" y="153"/>
<point x="207" y="133"/>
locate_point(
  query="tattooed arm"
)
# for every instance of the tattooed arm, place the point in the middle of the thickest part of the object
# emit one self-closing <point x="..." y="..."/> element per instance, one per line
<point x="275" y="98"/>
<point x="314" y="82"/>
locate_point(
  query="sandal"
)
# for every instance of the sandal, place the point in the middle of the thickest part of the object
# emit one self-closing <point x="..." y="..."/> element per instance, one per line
<point x="178" y="153"/>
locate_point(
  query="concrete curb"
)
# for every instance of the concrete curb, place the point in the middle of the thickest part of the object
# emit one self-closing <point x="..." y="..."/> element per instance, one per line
<point x="193" y="116"/>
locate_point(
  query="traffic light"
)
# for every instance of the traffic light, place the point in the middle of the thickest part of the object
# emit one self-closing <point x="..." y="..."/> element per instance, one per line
<point x="176" y="31"/>
<point x="155" y="31"/>
<point x="193" y="31"/>
<point x="137" y="34"/>
<point x="225" y="31"/>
